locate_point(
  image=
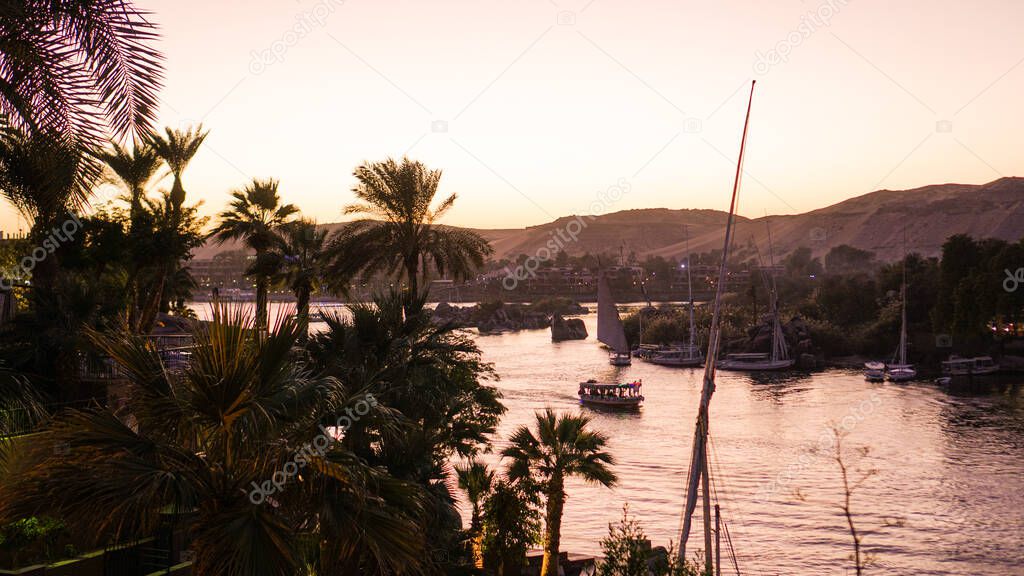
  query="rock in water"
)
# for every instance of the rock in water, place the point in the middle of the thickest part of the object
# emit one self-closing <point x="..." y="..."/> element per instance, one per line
<point x="571" y="329"/>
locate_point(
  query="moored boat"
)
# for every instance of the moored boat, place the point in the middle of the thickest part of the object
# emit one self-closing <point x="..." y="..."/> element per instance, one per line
<point x="874" y="371"/>
<point x="977" y="366"/>
<point x="754" y="362"/>
<point x="779" y="358"/>
<point x="686" y="355"/>
<point x="900" y="370"/>
<point x="625" y="396"/>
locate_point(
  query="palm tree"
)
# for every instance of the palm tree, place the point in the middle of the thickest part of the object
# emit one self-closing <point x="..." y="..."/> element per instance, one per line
<point x="176" y="148"/>
<point x="563" y="446"/>
<point x="221" y="438"/>
<point x="255" y="216"/>
<point x="400" y="231"/>
<point x="73" y="70"/>
<point x="41" y="175"/>
<point x="133" y="169"/>
<point x="303" y="249"/>
<point x="475" y="479"/>
<point x="432" y="378"/>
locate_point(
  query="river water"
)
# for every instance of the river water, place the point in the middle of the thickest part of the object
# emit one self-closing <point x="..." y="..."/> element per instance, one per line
<point x="945" y="486"/>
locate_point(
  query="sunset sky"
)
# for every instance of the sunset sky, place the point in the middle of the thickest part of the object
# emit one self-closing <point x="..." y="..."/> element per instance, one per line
<point x="533" y="107"/>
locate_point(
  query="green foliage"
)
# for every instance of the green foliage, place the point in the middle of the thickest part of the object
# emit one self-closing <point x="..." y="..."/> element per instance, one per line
<point x="511" y="526"/>
<point x="32" y="539"/>
<point x="845" y="259"/>
<point x="205" y="440"/>
<point x="625" y="549"/>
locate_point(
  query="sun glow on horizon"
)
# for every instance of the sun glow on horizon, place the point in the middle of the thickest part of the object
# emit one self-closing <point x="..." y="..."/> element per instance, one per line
<point x="531" y="109"/>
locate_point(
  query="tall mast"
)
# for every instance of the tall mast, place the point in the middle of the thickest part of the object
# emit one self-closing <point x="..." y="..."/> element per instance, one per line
<point x="903" y="306"/>
<point x="698" y="459"/>
<point x="778" y="340"/>
<point x="689" y="288"/>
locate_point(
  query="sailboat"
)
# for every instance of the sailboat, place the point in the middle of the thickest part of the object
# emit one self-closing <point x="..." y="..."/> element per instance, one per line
<point x="698" y="477"/>
<point x="688" y="354"/>
<point x="778" y="358"/>
<point x="900" y="370"/>
<point x="609" y="325"/>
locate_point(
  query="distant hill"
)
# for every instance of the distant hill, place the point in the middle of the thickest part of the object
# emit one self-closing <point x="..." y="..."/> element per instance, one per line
<point x="874" y="221"/>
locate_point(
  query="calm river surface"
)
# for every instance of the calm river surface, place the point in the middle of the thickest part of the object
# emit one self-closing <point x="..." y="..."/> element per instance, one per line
<point x="947" y="496"/>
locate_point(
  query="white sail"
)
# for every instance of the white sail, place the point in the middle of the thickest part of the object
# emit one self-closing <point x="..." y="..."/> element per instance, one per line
<point x="609" y="326"/>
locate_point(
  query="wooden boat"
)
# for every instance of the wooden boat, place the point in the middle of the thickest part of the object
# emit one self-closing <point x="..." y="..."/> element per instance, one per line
<point x="609" y="326"/>
<point x="779" y="358"/>
<point x="977" y="366"/>
<point x="616" y="396"/>
<point x="874" y="371"/>
<point x="754" y="362"/>
<point x="681" y="356"/>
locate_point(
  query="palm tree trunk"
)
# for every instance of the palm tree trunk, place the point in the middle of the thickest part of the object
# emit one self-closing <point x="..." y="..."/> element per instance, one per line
<point x="261" y="302"/>
<point x="412" y="271"/>
<point x="553" y="526"/>
<point x="302" y="310"/>
<point x="475" y="529"/>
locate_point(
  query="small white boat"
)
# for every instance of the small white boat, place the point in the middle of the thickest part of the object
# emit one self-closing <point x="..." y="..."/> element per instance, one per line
<point x="874" y="371"/>
<point x="615" y="396"/>
<point x="901" y="372"/>
<point x="609" y="326"/>
<point x="977" y="366"/>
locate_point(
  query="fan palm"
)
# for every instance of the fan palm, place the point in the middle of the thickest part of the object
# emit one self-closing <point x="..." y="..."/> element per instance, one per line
<point x="563" y="446"/>
<point x="40" y="174"/>
<point x="75" y="70"/>
<point x="400" y="231"/>
<point x="303" y="249"/>
<point x="176" y="148"/>
<point x="475" y="479"/>
<point x="432" y="376"/>
<point x="133" y="169"/>
<point x="199" y="439"/>
<point x="255" y="217"/>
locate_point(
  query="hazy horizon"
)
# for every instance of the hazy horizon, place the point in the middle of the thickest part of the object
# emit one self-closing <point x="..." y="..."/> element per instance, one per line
<point x="532" y="109"/>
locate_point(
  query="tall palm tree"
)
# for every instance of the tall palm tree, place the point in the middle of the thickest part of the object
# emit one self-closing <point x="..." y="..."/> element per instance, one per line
<point x="475" y="479"/>
<point x="400" y="230"/>
<point x="133" y="169"/>
<point x="303" y="249"/>
<point x="76" y="70"/>
<point x="255" y="217"/>
<point x="176" y="148"/>
<point x="563" y="446"/>
<point x="221" y="438"/>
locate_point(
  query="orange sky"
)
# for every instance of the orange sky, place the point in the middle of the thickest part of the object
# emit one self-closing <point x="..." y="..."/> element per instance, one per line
<point x="533" y="107"/>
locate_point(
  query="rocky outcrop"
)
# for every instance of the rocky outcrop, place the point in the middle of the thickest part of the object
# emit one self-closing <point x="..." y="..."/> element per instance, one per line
<point x="567" y="329"/>
<point x="491" y="317"/>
